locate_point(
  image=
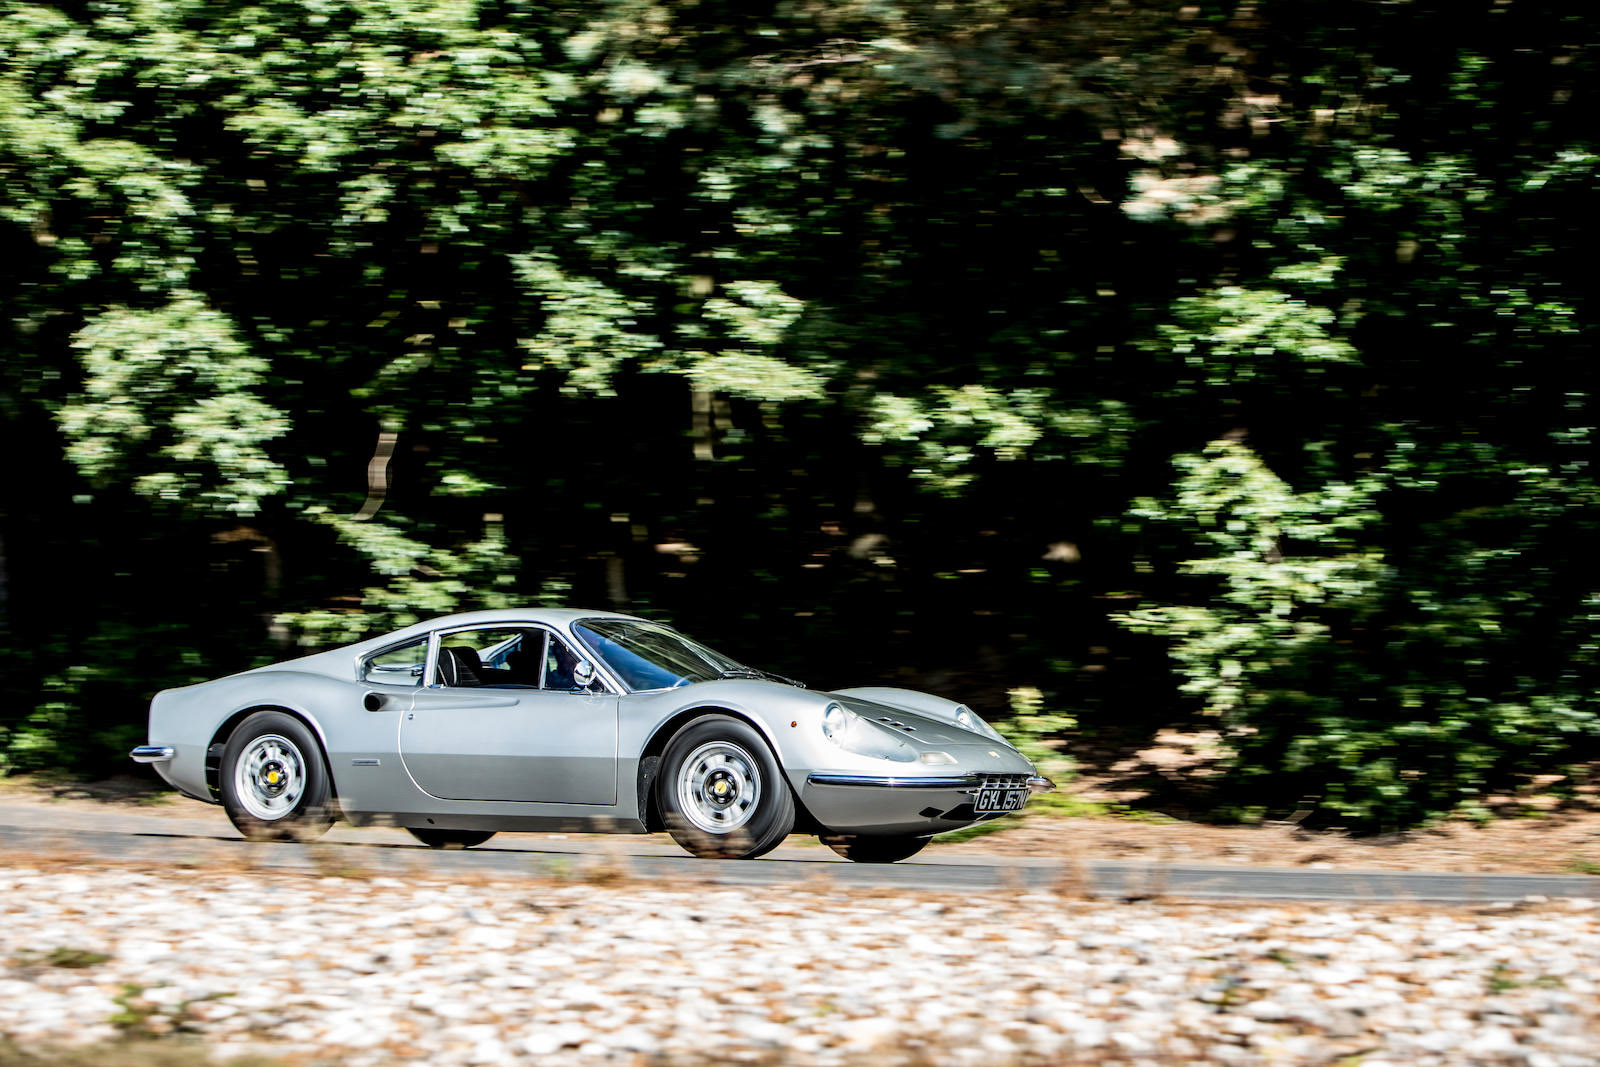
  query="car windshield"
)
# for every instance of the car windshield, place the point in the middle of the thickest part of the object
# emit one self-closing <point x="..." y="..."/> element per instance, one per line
<point x="646" y="656"/>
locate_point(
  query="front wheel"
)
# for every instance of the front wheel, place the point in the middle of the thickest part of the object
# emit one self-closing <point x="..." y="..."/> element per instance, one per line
<point x="274" y="781"/>
<point x="868" y="849"/>
<point x="721" y="791"/>
<point x="449" y="838"/>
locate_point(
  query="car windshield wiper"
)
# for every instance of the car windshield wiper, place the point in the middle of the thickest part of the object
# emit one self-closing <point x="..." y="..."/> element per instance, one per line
<point x="753" y="672"/>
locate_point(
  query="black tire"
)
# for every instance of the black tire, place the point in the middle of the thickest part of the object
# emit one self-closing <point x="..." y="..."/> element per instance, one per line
<point x="435" y="838"/>
<point x="275" y="784"/>
<point x="721" y="791"/>
<point x="862" y="848"/>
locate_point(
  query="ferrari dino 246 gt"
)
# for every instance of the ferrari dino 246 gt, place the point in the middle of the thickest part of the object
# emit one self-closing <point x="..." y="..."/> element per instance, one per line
<point x="579" y="721"/>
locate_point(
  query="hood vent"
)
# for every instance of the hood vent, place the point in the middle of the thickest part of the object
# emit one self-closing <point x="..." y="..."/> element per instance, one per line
<point x="896" y="724"/>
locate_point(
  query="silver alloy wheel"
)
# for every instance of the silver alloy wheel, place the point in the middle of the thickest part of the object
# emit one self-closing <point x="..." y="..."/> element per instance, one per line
<point x="719" y="787"/>
<point x="270" y="777"/>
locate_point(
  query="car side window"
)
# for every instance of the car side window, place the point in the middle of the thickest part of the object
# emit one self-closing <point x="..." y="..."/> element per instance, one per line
<point x="494" y="658"/>
<point x="513" y="663"/>
<point x="506" y="658"/>
<point x="401" y="665"/>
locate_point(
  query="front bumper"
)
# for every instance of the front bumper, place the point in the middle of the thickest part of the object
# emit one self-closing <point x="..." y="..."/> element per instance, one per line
<point x="152" y="754"/>
<point x="887" y="804"/>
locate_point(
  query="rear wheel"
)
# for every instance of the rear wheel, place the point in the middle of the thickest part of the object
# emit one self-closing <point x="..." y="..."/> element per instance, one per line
<point x="275" y="784"/>
<point x="435" y="838"/>
<point x="869" y="849"/>
<point x="721" y="791"/>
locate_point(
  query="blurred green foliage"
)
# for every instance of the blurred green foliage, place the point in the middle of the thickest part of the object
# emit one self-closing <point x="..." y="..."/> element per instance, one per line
<point x="1037" y="732"/>
<point x="1220" y="362"/>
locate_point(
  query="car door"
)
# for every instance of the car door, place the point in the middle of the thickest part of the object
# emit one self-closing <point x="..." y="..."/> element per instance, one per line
<point x="512" y="741"/>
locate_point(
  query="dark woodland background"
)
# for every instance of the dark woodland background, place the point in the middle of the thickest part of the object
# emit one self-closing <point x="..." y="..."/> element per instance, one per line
<point x="1192" y="363"/>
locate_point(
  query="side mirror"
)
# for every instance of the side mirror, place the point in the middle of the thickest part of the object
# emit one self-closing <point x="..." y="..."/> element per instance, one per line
<point x="583" y="674"/>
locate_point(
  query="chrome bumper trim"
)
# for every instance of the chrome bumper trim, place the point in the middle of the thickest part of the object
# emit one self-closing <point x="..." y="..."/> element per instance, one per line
<point x="1041" y="785"/>
<point x="883" y="782"/>
<point x="152" y="754"/>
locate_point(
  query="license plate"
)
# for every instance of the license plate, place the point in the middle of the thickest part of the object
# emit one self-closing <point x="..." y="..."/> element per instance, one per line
<point x="994" y="798"/>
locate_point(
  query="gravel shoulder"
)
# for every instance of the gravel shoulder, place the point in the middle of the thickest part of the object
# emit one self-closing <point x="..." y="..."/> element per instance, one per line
<point x="379" y="970"/>
<point x="352" y="968"/>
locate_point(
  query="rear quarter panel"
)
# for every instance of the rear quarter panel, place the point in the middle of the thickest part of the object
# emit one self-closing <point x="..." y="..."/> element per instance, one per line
<point x="192" y="718"/>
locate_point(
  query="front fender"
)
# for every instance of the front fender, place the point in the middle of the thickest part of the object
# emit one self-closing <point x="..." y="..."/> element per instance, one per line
<point x="787" y="719"/>
<point x="778" y="712"/>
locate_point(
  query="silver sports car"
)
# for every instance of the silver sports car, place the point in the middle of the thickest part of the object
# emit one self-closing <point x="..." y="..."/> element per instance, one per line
<point x="578" y="720"/>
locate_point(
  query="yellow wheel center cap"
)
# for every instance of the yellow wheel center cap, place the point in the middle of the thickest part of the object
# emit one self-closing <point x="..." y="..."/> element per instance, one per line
<point x="272" y="777"/>
<point x="721" y="789"/>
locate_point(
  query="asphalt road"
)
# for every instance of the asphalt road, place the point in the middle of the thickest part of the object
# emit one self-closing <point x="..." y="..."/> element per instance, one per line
<point x="42" y="829"/>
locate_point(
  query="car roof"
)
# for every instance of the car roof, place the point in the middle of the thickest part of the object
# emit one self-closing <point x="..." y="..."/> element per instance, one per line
<point x="560" y="618"/>
<point x="335" y="661"/>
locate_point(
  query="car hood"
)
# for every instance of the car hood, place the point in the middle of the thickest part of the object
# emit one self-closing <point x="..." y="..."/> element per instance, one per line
<point x="902" y="720"/>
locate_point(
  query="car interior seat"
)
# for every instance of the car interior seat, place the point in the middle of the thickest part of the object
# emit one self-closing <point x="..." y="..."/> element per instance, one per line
<point x="459" y="666"/>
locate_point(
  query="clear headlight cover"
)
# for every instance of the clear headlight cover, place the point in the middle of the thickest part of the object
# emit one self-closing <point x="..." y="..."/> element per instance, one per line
<point x="968" y="719"/>
<point x="854" y="734"/>
<point x="835" y="720"/>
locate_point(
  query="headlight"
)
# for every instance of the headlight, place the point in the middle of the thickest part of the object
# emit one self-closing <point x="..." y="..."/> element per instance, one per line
<point x="835" y="720"/>
<point x="968" y="719"/>
<point x="854" y="734"/>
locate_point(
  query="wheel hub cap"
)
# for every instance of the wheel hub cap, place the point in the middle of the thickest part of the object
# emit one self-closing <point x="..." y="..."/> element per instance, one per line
<point x="719" y="787"/>
<point x="270" y="778"/>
